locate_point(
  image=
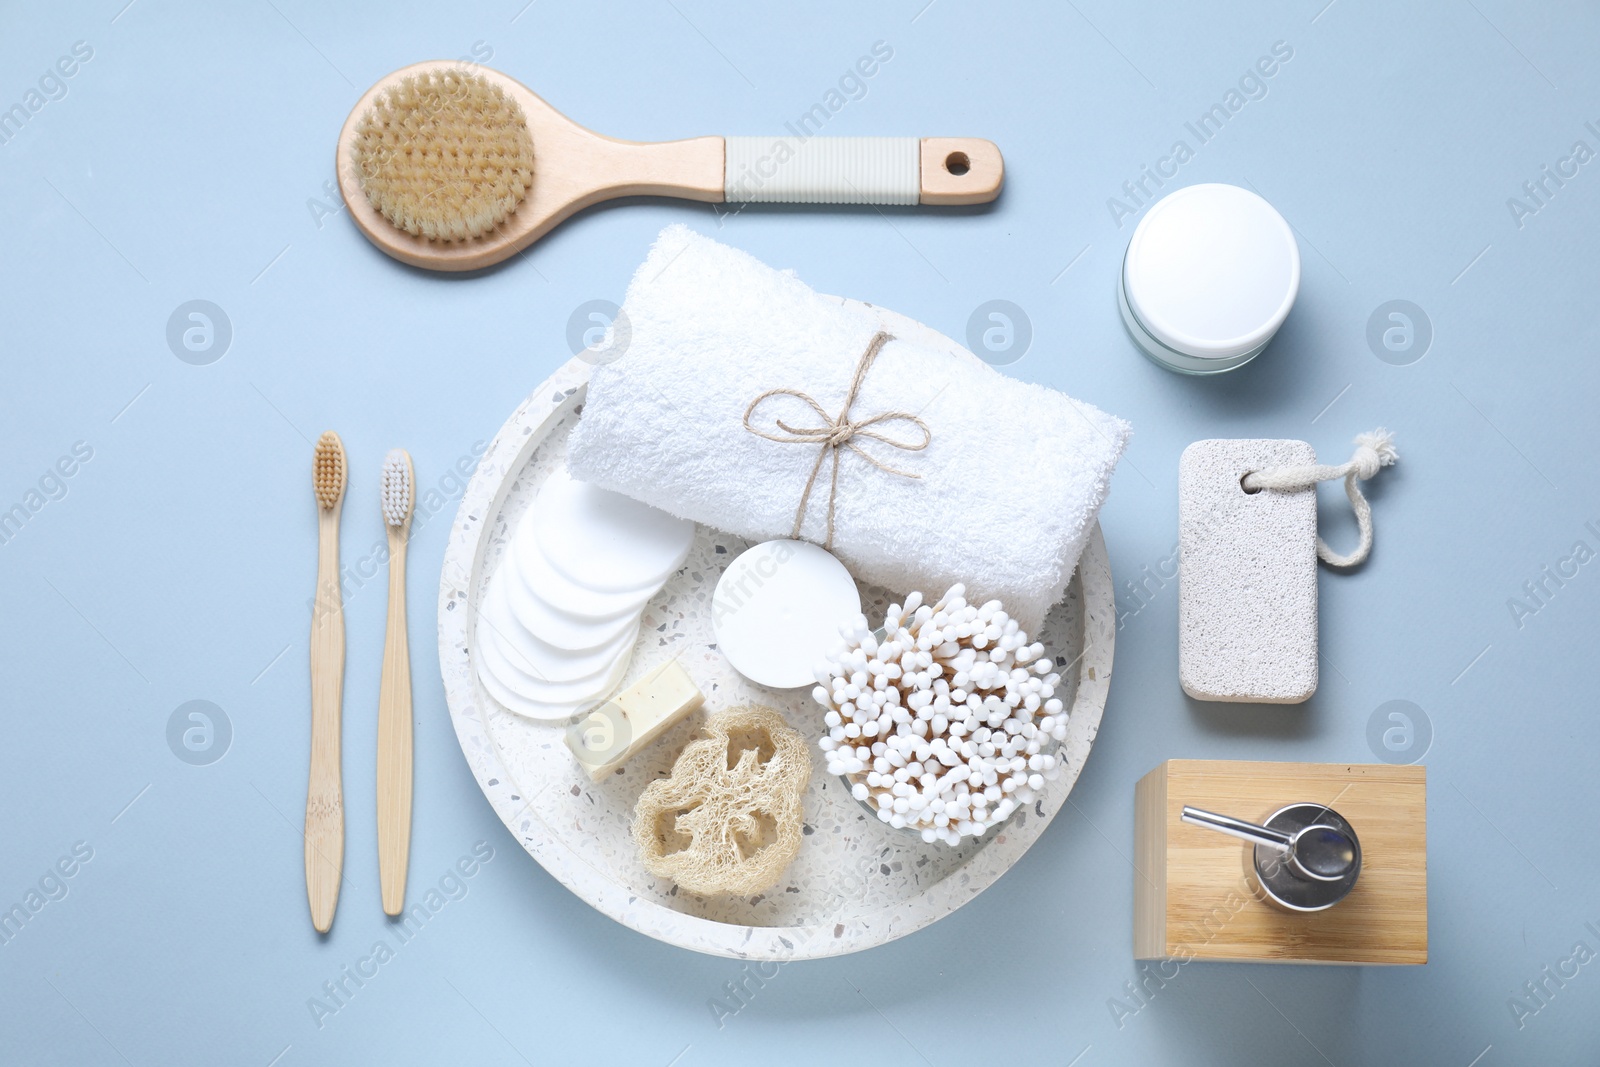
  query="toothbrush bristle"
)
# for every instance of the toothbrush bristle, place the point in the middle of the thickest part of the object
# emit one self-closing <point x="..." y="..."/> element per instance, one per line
<point x="328" y="473"/>
<point x="397" y="494"/>
<point x="444" y="155"/>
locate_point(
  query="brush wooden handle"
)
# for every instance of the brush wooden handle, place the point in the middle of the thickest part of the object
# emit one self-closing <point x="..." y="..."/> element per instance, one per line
<point x="325" y="793"/>
<point x="394" y="737"/>
<point x="576" y="167"/>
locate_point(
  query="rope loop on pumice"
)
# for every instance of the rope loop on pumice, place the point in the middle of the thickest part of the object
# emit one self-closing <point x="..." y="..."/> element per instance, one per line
<point x="839" y="431"/>
<point x="1374" y="451"/>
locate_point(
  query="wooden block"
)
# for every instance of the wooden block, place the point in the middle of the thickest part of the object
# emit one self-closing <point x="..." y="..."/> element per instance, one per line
<point x="1195" y="894"/>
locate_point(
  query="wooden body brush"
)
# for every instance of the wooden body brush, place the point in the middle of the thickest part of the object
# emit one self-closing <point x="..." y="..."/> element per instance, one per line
<point x="394" y="693"/>
<point x="325" y="793"/>
<point x="455" y="168"/>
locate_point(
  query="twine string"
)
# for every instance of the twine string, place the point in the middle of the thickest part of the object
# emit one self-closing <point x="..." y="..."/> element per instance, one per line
<point x="1374" y="451"/>
<point x="836" y="432"/>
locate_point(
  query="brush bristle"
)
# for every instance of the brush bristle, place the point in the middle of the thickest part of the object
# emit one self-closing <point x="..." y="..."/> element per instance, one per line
<point x="444" y="155"/>
<point x="327" y="472"/>
<point x="397" y="495"/>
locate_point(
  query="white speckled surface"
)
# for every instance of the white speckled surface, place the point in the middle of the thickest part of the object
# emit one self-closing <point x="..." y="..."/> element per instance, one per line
<point x="1247" y="575"/>
<point x="856" y="883"/>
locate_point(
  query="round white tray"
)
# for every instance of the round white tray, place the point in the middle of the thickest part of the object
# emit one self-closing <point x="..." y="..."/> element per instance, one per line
<point x="856" y="882"/>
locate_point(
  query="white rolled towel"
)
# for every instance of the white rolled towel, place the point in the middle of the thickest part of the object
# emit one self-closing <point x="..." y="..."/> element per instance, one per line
<point x="1005" y="493"/>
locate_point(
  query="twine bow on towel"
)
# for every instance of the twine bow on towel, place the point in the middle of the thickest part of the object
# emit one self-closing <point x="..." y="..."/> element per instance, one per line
<point x="838" y="432"/>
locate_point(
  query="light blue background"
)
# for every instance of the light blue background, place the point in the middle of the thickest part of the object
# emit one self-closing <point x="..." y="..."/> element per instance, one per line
<point x="186" y="161"/>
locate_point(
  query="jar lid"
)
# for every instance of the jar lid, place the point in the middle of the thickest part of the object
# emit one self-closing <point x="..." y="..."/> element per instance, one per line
<point x="1212" y="271"/>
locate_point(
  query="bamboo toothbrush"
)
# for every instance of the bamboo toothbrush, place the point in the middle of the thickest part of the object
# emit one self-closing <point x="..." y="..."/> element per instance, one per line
<point x="455" y="167"/>
<point x="325" y="794"/>
<point x="394" y="693"/>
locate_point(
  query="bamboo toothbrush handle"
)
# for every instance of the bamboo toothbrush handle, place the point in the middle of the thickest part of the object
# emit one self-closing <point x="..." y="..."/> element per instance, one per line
<point x="394" y="738"/>
<point x="325" y="794"/>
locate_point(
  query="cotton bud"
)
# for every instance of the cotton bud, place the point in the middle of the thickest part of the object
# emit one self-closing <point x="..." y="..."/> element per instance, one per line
<point x="946" y="723"/>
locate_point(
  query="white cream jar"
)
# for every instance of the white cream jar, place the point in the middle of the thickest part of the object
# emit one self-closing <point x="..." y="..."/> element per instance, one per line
<point x="1210" y="274"/>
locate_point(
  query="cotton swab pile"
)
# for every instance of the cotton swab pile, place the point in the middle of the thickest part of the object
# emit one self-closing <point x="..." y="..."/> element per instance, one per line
<point x="945" y="724"/>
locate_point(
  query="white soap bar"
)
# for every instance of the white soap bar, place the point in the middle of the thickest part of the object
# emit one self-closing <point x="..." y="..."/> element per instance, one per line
<point x="1247" y="576"/>
<point x="604" y="541"/>
<point x="611" y="734"/>
<point x="777" y="610"/>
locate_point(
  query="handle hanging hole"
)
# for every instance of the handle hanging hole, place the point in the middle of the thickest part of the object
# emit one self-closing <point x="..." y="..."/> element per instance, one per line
<point x="957" y="163"/>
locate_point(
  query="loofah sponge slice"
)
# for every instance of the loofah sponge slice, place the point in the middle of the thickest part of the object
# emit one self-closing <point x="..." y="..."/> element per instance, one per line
<point x="728" y="818"/>
<point x="445" y="155"/>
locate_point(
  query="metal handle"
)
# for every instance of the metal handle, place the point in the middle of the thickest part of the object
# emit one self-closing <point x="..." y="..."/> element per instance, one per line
<point x="1247" y="831"/>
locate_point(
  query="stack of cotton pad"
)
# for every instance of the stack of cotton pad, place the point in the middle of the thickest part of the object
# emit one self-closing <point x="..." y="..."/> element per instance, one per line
<point x="557" y="626"/>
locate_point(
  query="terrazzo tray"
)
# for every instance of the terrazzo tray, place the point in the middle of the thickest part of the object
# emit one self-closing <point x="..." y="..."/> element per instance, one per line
<point x="856" y="882"/>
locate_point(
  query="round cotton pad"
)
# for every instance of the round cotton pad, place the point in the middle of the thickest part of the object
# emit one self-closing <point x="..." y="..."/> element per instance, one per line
<point x="536" y="710"/>
<point x="529" y="696"/>
<point x="508" y="598"/>
<point x="556" y="589"/>
<point x="558" y="665"/>
<point x="605" y="541"/>
<point x="777" y="610"/>
<point x="526" y="678"/>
